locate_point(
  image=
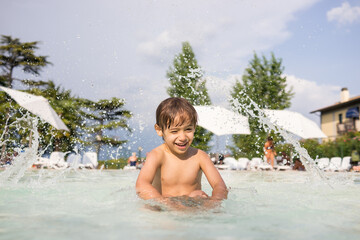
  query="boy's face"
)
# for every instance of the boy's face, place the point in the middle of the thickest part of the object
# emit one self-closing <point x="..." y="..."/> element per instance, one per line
<point x="177" y="138"/>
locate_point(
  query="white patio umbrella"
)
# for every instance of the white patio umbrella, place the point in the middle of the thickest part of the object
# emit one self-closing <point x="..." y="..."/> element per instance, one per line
<point x="295" y="123"/>
<point x="221" y="121"/>
<point x="37" y="105"/>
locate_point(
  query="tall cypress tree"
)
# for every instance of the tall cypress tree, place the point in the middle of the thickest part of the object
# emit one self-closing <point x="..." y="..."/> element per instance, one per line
<point x="264" y="84"/>
<point x="186" y="80"/>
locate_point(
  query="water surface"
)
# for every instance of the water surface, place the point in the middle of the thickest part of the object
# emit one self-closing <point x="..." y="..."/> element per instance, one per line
<point x="93" y="204"/>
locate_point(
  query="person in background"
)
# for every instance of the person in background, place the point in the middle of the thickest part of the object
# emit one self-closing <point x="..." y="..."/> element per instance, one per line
<point x="269" y="151"/>
<point x="298" y="165"/>
<point x="132" y="160"/>
<point x="221" y="158"/>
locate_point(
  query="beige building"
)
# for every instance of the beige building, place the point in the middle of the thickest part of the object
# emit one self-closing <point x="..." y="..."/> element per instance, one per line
<point x="340" y="117"/>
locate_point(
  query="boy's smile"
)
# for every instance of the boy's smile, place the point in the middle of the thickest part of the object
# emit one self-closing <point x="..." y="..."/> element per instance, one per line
<point x="180" y="145"/>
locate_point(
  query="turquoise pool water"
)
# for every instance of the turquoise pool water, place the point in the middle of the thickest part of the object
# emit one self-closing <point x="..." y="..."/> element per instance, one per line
<point x="93" y="204"/>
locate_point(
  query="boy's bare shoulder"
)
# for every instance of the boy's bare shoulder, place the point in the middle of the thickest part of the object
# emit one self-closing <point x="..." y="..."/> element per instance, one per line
<point x="156" y="154"/>
<point x="201" y="154"/>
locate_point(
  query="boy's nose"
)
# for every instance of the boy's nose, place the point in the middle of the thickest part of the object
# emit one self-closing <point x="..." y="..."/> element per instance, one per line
<point x="182" y="135"/>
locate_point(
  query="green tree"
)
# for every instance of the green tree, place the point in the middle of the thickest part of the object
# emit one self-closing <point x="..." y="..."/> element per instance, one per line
<point x="265" y="85"/>
<point x="16" y="54"/>
<point x="103" y="117"/>
<point x="51" y="139"/>
<point x="68" y="107"/>
<point x="186" y="80"/>
<point x="8" y="114"/>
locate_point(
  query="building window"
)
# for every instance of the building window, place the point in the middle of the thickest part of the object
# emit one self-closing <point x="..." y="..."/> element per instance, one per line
<point x="340" y="118"/>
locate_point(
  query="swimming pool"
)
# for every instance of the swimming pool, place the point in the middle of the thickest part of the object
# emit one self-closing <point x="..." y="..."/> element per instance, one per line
<point x="94" y="204"/>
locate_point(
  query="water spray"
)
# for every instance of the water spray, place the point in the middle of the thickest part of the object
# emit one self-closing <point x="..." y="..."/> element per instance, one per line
<point x="305" y="158"/>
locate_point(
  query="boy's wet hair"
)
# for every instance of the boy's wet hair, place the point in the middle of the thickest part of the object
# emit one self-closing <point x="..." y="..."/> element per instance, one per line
<point x="173" y="111"/>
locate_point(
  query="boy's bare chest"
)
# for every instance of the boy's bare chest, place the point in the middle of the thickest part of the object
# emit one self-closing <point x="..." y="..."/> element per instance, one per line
<point x="180" y="172"/>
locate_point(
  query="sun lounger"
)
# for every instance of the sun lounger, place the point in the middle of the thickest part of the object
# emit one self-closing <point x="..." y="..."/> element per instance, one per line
<point x="345" y="164"/>
<point x="334" y="165"/>
<point x="283" y="168"/>
<point x="265" y="166"/>
<point x="74" y="160"/>
<point x="254" y="163"/>
<point x="223" y="167"/>
<point x="57" y="160"/>
<point x="90" y="160"/>
<point x="128" y="167"/>
<point x="41" y="162"/>
<point x="242" y="163"/>
<point x="257" y="163"/>
<point x="229" y="163"/>
<point x="323" y="163"/>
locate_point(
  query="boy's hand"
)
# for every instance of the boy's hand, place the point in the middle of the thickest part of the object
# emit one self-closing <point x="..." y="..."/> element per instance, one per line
<point x="198" y="193"/>
<point x="196" y="200"/>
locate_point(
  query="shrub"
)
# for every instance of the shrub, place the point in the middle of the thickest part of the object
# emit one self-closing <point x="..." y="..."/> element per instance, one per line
<point x="113" y="164"/>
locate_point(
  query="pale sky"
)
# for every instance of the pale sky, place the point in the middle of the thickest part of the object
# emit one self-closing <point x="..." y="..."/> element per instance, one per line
<point x="108" y="48"/>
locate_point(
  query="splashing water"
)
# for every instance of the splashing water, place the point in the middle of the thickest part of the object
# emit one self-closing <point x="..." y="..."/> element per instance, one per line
<point x="305" y="158"/>
<point x="26" y="156"/>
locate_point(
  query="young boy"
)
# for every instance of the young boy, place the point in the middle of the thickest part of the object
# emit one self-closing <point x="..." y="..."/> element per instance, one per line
<point x="174" y="168"/>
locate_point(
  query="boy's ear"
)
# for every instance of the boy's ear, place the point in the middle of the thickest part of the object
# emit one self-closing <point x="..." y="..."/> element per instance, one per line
<point x="158" y="130"/>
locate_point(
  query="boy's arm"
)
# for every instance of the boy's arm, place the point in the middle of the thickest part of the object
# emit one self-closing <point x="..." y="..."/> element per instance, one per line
<point x="220" y="191"/>
<point x="144" y="187"/>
